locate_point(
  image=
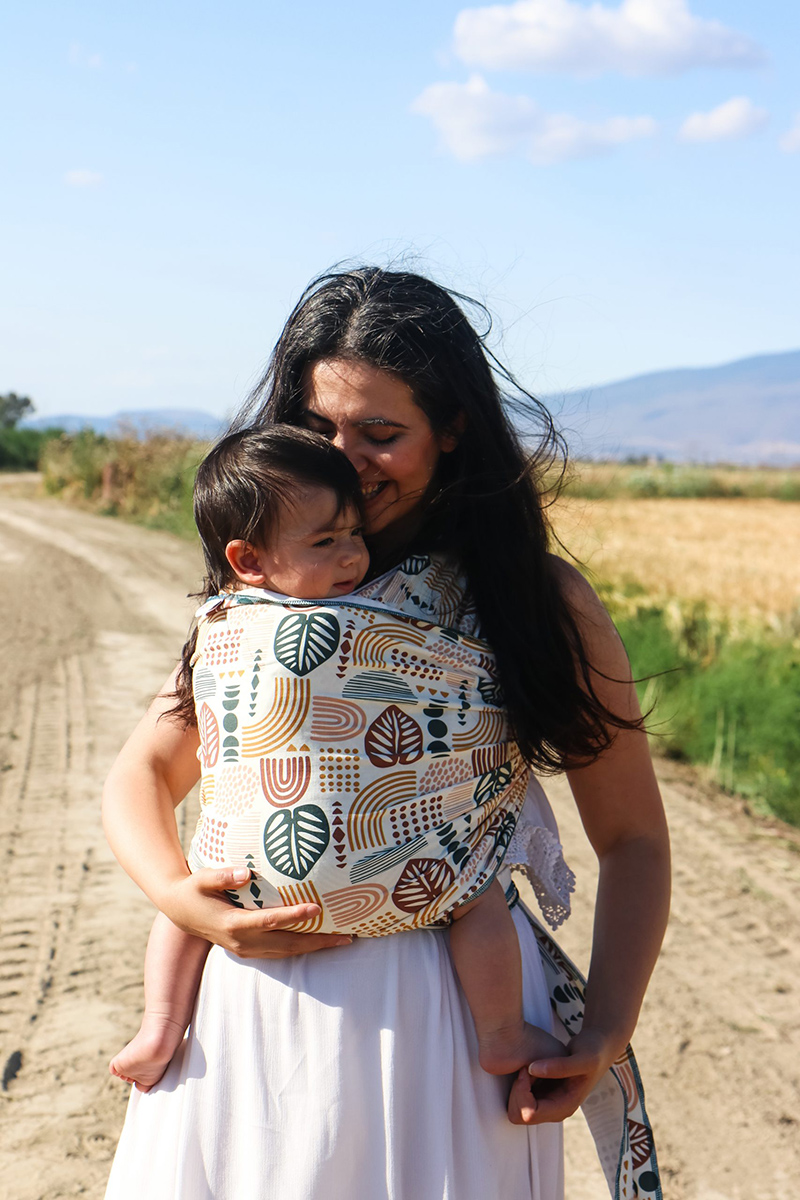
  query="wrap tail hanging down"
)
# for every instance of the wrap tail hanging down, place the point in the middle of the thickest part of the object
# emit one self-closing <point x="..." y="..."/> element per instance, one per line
<point x="615" y="1111"/>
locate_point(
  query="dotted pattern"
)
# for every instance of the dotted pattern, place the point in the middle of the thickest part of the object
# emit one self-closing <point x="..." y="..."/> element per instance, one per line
<point x="443" y="773"/>
<point x="415" y="665"/>
<point x="221" y="647"/>
<point x="238" y="787"/>
<point x="339" y="769"/>
<point x="410" y="820"/>
<point x="210" y="841"/>
<point x="453" y="654"/>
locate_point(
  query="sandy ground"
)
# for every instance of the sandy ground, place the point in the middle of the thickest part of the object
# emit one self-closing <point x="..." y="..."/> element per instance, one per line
<point x="94" y="613"/>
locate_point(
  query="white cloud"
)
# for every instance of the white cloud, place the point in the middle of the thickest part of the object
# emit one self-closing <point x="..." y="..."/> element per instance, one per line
<point x="736" y="118"/>
<point x="474" y="122"/>
<point x="790" y="142"/>
<point x="79" y="57"/>
<point x="81" y="178"/>
<point x="641" y="37"/>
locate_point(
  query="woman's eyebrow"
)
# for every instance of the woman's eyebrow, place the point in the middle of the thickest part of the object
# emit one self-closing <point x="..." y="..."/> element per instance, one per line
<point x="380" y="421"/>
<point x="384" y="421"/>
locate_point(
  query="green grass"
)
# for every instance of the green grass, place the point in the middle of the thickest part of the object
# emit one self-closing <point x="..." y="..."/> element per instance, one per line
<point x="726" y="701"/>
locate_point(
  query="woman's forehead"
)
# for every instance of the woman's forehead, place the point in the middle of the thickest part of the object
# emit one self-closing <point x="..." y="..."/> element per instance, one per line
<point x="357" y="393"/>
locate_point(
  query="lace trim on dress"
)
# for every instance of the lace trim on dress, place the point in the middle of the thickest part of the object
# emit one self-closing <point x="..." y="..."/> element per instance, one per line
<point x="537" y="853"/>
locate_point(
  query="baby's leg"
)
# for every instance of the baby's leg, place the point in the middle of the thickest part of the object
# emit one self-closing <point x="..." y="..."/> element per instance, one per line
<point x="173" y="965"/>
<point x="486" y="955"/>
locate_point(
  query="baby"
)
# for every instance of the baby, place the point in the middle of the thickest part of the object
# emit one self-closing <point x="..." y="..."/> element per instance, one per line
<point x="294" y="503"/>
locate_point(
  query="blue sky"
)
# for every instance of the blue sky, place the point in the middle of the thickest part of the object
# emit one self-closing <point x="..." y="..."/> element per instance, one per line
<point x="619" y="184"/>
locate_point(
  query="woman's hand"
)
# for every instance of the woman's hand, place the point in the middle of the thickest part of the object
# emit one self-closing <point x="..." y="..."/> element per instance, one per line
<point x="195" y="905"/>
<point x="154" y="771"/>
<point x="560" y="1085"/>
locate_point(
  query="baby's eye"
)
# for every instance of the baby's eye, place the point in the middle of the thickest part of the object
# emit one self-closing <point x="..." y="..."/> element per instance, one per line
<point x="324" y="542"/>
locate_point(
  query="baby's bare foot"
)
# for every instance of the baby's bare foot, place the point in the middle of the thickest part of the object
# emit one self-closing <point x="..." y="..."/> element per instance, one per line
<point x="506" y="1049"/>
<point x="145" y="1059"/>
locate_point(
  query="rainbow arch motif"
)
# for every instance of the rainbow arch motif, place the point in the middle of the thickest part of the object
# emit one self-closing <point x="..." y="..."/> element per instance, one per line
<point x="489" y="727"/>
<point x="333" y="720"/>
<point x="365" y="819"/>
<point x="351" y="904"/>
<point x="289" y="708"/>
<point x="302" y="893"/>
<point x="285" y="780"/>
<point x="371" y="646"/>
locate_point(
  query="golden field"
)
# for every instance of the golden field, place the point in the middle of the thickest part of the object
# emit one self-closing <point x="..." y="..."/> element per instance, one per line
<point x="739" y="556"/>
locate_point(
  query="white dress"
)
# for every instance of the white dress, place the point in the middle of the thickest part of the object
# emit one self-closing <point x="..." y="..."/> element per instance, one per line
<point x="352" y="1074"/>
<point x="348" y="1074"/>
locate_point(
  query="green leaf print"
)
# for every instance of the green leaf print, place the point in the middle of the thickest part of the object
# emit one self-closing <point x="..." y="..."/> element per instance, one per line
<point x="305" y="640"/>
<point x="295" y="839"/>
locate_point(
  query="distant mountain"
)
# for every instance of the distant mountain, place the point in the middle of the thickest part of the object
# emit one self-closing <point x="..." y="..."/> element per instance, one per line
<point x="187" y="421"/>
<point x="745" y="412"/>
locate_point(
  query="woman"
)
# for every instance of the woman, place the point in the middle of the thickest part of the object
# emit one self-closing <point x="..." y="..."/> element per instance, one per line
<point x="353" y="1073"/>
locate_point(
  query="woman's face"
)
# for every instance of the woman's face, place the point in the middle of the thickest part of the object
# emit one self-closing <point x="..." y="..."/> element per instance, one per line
<point x="372" y="416"/>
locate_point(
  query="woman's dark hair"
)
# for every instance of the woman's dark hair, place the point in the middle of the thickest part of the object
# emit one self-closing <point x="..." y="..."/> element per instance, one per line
<point x="487" y="510"/>
<point x="242" y="485"/>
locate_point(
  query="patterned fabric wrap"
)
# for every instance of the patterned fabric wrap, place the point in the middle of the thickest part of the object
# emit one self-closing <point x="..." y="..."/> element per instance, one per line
<point x="353" y="757"/>
<point x="432" y="590"/>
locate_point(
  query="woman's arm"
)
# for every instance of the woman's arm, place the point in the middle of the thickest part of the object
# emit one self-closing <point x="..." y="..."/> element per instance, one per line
<point x="155" y="769"/>
<point x="620" y="806"/>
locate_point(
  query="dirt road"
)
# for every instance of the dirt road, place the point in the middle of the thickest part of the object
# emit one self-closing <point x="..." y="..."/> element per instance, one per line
<point x="94" y="615"/>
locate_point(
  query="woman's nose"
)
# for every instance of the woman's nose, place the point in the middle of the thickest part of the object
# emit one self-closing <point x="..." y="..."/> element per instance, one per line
<point x="349" y="446"/>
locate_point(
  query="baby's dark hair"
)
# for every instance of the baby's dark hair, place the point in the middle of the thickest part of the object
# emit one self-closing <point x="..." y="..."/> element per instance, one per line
<point x="241" y="487"/>
<point x="249" y="477"/>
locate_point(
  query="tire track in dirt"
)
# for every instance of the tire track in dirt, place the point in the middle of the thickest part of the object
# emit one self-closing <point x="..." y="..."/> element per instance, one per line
<point x="81" y="657"/>
<point x="719" y="1038"/>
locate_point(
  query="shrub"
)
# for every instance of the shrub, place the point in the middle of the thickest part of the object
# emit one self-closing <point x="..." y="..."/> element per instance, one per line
<point x="146" y="479"/>
<point x="21" y="449"/>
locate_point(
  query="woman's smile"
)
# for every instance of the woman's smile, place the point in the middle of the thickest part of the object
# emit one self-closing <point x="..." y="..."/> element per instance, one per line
<point x="373" y="417"/>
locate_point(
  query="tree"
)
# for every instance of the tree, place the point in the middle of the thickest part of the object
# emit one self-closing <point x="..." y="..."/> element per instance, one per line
<point x="13" y="408"/>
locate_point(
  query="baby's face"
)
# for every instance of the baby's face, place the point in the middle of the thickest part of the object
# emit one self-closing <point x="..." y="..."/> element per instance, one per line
<point x="315" y="553"/>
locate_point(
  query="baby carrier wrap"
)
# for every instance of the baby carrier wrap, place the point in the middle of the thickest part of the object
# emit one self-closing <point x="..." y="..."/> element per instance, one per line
<point x="353" y="757"/>
<point x="424" y="602"/>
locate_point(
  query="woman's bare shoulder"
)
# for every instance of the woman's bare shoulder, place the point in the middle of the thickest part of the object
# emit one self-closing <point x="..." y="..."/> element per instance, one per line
<point x="579" y="594"/>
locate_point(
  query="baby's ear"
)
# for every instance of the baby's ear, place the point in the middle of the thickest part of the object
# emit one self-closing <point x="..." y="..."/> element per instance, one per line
<point x="245" y="563"/>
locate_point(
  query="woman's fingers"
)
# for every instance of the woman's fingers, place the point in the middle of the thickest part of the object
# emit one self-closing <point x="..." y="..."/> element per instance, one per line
<point x="255" y="933"/>
<point x="562" y="1068"/>
<point x="557" y="1087"/>
<point x="289" y="914"/>
<point x="263" y="933"/>
<point x="222" y="879"/>
<point x="539" y="1101"/>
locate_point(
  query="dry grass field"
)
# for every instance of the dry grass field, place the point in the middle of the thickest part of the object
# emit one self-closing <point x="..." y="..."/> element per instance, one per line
<point x="606" y="480"/>
<point x="739" y="556"/>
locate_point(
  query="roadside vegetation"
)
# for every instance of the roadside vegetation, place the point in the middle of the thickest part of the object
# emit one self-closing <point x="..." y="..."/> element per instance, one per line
<point x="145" y="479"/>
<point x="20" y="449"/>
<point x="722" y="697"/>
<point x="644" y="478"/>
<point x="703" y="586"/>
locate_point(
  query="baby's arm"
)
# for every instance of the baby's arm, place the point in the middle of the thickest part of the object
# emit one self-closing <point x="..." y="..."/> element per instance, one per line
<point x="485" y="950"/>
<point x="173" y="965"/>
